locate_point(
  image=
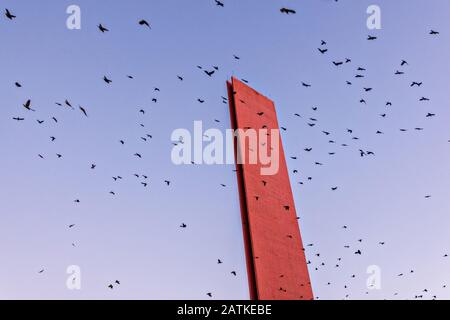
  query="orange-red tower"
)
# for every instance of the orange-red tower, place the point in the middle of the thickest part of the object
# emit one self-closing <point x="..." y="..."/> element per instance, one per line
<point x="276" y="263"/>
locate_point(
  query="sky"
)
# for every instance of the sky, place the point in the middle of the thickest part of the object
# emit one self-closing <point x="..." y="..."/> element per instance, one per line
<point x="134" y="236"/>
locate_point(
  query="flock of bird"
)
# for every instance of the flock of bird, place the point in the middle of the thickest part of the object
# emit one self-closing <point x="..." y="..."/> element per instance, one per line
<point x="316" y="261"/>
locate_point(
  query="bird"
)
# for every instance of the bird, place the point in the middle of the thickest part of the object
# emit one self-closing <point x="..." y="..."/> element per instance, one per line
<point x="306" y="85"/>
<point x="27" y="105"/>
<point x="287" y="11"/>
<point x="322" y="51"/>
<point x="183" y="225"/>
<point x="167" y="182"/>
<point x="219" y="4"/>
<point x="83" y="110"/>
<point x="108" y="81"/>
<point x="433" y="32"/>
<point x="209" y="73"/>
<point x="234" y="273"/>
<point x="67" y="103"/>
<point x="102" y="28"/>
<point x="18" y="119"/>
<point x="9" y="15"/>
<point x="371" y="38"/>
<point x="144" y="23"/>
<point x="18" y="85"/>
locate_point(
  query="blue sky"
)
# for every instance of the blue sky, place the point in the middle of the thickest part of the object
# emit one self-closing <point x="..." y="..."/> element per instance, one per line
<point x="135" y="236"/>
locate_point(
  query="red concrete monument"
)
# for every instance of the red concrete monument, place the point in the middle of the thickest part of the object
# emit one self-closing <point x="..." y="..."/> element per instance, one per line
<point x="276" y="263"/>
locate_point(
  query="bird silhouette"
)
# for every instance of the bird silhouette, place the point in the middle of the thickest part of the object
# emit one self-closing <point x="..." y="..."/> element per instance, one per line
<point x="144" y="23"/>
<point x="83" y="110"/>
<point x="102" y="28"/>
<point x="9" y="15"/>
<point x="287" y="11"/>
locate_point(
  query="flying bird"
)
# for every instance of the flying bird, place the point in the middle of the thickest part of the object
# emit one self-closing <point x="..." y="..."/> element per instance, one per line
<point x="306" y="85"/>
<point x="219" y="3"/>
<point x="102" y="28"/>
<point x="287" y="11"/>
<point x="27" y="105"/>
<point x="9" y="15"/>
<point x="83" y="110"/>
<point x="144" y="23"/>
